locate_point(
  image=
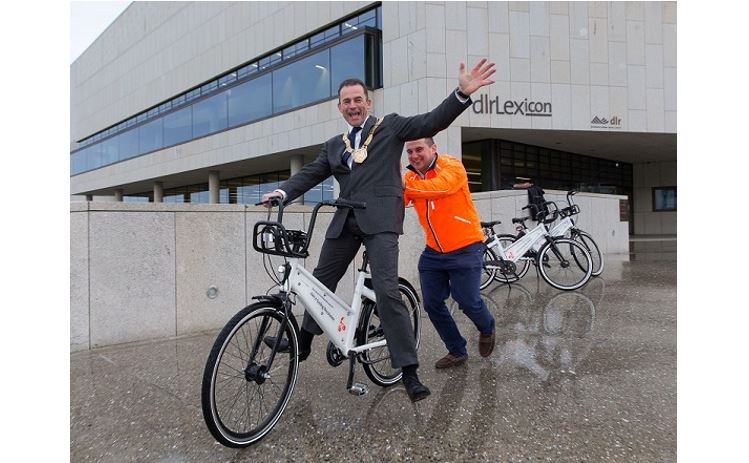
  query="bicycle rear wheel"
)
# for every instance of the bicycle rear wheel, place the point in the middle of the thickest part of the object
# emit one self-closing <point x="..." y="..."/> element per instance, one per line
<point x="595" y="253"/>
<point x="487" y="276"/>
<point x="242" y="398"/>
<point x="565" y="264"/>
<point x="522" y="265"/>
<point x="376" y="361"/>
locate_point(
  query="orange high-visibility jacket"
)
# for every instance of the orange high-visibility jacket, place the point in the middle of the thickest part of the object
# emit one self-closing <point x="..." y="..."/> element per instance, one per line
<point x="444" y="204"/>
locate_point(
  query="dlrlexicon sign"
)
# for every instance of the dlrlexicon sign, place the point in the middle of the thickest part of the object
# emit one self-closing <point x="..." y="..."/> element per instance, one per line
<point x="484" y="105"/>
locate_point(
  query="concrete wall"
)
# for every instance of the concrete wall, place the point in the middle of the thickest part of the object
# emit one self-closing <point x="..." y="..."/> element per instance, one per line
<point x="143" y="271"/>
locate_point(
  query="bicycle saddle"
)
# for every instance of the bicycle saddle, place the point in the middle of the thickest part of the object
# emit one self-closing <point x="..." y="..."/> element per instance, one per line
<point x="519" y="220"/>
<point x="490" y="224"/>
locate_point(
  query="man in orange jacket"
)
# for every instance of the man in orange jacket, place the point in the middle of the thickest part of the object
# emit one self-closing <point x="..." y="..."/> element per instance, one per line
<point x="451" y="263"/>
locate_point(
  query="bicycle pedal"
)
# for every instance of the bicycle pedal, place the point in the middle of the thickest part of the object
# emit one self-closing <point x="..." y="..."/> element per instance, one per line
<point x="358" y="389"/>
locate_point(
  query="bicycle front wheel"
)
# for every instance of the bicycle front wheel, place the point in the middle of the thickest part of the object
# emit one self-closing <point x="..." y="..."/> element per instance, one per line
<point x="243" y="394"/>
<point x="595" y="253"/>
<point x="377" y="364"/>
<point x="565" y="264"/>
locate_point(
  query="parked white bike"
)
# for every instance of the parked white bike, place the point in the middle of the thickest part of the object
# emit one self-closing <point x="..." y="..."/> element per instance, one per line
<point x="563" y="263"/>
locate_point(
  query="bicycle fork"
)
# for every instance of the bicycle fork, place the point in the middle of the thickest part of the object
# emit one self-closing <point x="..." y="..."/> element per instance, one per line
<point x="260" y="372"/>
<point x="564" y="262"/>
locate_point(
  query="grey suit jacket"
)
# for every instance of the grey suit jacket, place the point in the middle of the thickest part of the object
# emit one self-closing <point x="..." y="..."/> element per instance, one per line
<point x="376" y="181"/>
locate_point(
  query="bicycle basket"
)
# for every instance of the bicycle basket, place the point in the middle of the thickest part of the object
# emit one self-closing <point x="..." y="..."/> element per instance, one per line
<point x="273" y="238"/>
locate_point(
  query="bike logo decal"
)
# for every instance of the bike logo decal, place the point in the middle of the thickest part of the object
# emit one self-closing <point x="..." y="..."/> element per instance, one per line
<point x="511" y="256"/>
<point x="341" y="325"/>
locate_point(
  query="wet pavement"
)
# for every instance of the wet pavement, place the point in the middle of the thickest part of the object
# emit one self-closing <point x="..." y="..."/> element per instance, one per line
<point x="585" y="376"/>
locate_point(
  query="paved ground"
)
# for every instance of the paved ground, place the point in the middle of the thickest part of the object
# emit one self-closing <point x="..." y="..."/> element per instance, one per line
<point x="588" y="376"/>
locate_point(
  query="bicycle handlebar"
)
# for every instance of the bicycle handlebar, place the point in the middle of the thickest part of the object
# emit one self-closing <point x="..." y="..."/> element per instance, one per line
<point x="292" y="243"/>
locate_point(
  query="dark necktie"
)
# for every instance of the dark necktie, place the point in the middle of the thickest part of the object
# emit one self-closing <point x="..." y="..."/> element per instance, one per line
<point x="352" y="140"/>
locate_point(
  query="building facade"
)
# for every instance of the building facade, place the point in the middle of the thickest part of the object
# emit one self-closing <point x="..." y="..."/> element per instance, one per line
<point x="218" y="102"/>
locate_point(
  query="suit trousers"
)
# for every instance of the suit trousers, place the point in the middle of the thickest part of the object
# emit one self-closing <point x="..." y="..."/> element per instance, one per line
<point x="382" y="249"/>
<point x="456" y="273"/>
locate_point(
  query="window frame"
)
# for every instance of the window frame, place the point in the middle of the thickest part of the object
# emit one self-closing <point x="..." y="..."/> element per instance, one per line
<point x="654" y="194"/>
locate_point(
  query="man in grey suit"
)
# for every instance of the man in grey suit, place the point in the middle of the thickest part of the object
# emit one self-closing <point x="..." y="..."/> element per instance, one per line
<point x="374" y="179"/>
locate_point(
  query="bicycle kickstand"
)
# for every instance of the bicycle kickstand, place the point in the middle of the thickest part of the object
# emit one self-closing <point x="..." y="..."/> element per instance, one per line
<point x="357" y="389"/>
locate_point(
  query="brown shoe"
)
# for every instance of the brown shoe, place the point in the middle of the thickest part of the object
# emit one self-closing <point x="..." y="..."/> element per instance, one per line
<point x="486" y="344"/>
<point x="450" y="360"/>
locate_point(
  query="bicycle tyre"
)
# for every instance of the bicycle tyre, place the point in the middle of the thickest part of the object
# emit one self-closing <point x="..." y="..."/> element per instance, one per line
<point x="595" y="253"/>
<point x="376" y="361"/>
<point x="570" y="274"/>
<point x="229" y="398"/>
<point x="521" y="266"/>
<point x="488" y="274"/>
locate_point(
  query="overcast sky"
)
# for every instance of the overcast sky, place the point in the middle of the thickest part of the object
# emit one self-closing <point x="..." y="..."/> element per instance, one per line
<point x="88" y="20"/>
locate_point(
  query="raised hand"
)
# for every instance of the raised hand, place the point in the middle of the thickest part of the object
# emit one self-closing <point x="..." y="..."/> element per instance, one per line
<point x="477" y="78"/>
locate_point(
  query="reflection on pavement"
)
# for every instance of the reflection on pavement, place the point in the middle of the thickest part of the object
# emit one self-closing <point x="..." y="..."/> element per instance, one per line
<point x="540" y="330"/>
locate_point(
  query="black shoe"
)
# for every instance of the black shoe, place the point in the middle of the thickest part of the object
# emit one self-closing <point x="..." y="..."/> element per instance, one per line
<point x="415" y="390"/>
<point x="283" y="347"/>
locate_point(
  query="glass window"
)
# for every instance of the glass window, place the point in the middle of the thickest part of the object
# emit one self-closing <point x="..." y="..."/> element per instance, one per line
<point x="227" y="79"/>
<point x="349" y="26"/>
<point x="199" y="197"/>
<point x="178" y="126"/>
<point x="264" y="63"/>
<point x="93" y="156"/>
<point x="347" y="62"/>
<point x="314" y="194"/>
<point x="325" y="36"/>
<point x="302" y="82"/>
<point x="250" y="100"/>
<point x="136" y="199"/>
<point x="664" y="198"/>
<point x="192" y="94"/>
<point x="248" y="192"/>
<point x="209" y="115"/>
<point x="176" y="198"/>
<point x="314" y="78"/>
<point x="78" y="162"/>
<point x="109" y="151"/>
<point x="128" y="144"/>
<point x="247" y="70"/>
<point x="150" y="136"/>
<point x="208" y="87"/>
<point x="178" y="100"/>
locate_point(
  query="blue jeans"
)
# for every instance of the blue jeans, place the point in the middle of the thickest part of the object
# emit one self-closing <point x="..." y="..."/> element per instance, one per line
<point x="456" y="273"/>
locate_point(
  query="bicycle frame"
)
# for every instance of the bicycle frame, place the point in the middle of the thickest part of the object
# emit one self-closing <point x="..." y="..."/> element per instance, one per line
<point x="561" y="227"/>
<point x="518" y="248"/>
<point x="337" y="319"/>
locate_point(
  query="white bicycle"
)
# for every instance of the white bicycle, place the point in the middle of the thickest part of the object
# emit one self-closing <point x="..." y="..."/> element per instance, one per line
<point x="248" y="381"/>
<point x="562" y="262"/>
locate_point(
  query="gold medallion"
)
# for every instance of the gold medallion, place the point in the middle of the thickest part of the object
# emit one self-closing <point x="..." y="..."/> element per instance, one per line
<point x="360" y="154"/>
